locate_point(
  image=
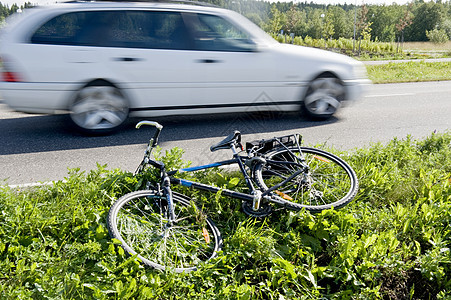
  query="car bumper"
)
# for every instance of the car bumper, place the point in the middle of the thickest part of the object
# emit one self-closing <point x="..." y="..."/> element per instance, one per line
<point x="356" y="89"/>
<point x="37" y="98"/>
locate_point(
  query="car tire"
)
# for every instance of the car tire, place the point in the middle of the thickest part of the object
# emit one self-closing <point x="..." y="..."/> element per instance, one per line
<point x="323" y="97"/>
<point x="99" y="108"/>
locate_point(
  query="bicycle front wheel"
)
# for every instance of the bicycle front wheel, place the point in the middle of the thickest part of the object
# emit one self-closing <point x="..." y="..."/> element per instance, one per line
<point x="322" y="181"/>
<point x="140" y="221"/>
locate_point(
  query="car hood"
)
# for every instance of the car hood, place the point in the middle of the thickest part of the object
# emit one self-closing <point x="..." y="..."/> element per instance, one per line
<point x="315" y="54"/>
<point x="308" y="62"/>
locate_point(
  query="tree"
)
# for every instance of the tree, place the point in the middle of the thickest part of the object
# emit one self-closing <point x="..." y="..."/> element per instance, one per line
<point x="314" y="25"/>
<point x="427" y="16"/>
<point x="383" y="20"/>
<point x="342" y="24"/>
<point x="328" y="29"/>
<point x="446" y="26"/>
<point x="404" y="22"/>
<point x="295" y="21"/>
<point x="276" y="22"/>
<point x="255" y="18"/>
<point x="363" y="26"/>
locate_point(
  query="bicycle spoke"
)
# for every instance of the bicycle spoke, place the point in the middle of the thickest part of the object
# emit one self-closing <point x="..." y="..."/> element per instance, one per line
<point x="322" y="180"/>
<point x="142" y="223"/>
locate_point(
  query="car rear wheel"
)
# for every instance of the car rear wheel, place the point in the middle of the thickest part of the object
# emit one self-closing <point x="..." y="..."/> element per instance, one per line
<point x="323" y="97"/>
<point x="99" y="109"/>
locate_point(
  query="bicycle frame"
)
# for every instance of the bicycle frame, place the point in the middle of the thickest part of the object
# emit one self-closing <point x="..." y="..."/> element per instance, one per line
<point x="212" y="189"/>
<point x="254" y="196"/>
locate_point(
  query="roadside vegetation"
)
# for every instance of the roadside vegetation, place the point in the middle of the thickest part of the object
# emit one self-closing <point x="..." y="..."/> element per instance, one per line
<point x="409" y="72"/>
<point x="392" y="242"/>
<point x="417" y="69"/>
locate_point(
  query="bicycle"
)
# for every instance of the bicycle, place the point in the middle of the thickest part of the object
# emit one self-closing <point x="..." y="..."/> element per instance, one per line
<point x="166" y="230"/>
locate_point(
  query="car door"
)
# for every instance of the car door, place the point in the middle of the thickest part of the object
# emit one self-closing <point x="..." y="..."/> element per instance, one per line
<point x="231" y="72"/>
<point x="152" y="52"/>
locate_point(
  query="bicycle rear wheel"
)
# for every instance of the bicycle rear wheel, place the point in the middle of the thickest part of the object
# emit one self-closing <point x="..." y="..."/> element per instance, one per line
<point x="140" y="221"/>
<point x="327" y="182"/>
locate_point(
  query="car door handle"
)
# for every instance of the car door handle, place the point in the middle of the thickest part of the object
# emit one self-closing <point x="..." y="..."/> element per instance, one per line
<point x="208" y="61"/>
<point x="127" y="59"/>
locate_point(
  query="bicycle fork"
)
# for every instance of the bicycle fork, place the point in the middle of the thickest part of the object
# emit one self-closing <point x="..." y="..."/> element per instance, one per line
<point x="168" y="193"/>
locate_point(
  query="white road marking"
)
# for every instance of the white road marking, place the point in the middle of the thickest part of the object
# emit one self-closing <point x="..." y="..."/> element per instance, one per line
<point x="390" y="95"/>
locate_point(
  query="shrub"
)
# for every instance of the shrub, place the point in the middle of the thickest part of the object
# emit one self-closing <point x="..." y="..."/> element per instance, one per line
<point x="437" y="36"/>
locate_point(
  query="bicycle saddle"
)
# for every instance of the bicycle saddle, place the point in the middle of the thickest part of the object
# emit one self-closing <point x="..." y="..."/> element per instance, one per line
<point x="234" y="138"/>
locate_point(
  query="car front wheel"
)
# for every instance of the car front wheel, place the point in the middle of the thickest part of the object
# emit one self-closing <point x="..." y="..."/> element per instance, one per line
<point x="99" y="109"/>
<point x="323" y="97"/>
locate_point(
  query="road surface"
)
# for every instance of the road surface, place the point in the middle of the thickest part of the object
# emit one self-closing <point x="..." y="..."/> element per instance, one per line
<point x="36" y="148"/>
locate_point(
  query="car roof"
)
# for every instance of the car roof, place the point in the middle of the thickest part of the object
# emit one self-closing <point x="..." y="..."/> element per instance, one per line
<point x="21" y="23"/>
<point x="35" y="15"/>
<point x="173" y="5"/>
<point x="186" y="2"/>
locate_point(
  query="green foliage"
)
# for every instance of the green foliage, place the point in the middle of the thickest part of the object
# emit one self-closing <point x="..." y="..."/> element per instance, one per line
<point x="392" y="242"/>
<point x="367" y="48"/>
<point x="446" y="26"/>
<point x="426" y="17"/>
<point x="437" y="36"/>
<point x="409" y="72"/>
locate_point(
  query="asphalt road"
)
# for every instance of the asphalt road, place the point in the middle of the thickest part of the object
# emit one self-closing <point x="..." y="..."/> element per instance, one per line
<point x="36" y="148"/>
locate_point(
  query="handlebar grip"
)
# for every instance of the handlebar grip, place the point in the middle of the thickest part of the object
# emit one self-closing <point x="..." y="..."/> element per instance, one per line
<point x="150" y="123"/>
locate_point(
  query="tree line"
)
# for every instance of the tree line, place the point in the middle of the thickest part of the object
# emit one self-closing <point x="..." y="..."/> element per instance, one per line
<point x="416" y="21"/>
<point x="6" y="10"/>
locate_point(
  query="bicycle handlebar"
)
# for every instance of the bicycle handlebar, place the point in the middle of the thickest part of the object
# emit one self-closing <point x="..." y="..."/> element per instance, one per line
<point x="150" y="123"/>
<point x="153" y="142"/>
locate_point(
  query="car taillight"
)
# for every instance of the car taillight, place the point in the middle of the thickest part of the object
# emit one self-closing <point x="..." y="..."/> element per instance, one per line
<point x="8" y="73"/>
<point x="10" y="77"/>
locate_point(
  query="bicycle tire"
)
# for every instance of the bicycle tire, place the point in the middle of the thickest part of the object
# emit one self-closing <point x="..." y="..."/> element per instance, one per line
<point x="330" y="181"/>
<point x="139" y="220"/>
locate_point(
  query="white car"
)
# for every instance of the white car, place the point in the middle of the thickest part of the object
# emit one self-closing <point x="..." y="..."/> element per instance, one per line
<point x="103" y="61"/>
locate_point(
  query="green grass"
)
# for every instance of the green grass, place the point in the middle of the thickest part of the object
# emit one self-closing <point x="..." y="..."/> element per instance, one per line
<point x="392" y="242"/>
<point x="409" y="72"/>
<point x="417" y="70"/>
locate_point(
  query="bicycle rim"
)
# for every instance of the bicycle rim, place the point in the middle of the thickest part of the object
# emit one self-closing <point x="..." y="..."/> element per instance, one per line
<point x="328" y="182"/>
<point x="139" y="220"/>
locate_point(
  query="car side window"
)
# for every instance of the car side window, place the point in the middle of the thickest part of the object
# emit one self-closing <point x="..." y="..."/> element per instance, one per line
<point x="149" y="29"/>
<point x="124" y="29"/>
<point x="214" y="33"/>
<point x="60" y="30"/>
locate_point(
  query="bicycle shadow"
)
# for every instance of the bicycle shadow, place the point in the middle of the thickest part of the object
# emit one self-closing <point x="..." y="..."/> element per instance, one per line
<point x="45" y="133"/>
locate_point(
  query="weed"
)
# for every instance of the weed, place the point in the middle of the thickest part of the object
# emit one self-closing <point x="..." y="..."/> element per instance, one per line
<point x="392" y="242"/>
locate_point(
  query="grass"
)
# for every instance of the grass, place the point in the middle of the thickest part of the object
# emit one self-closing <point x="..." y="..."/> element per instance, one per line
<point x="392" y="242"/>
<point x="416" y="70"/>
<point x="427" y="47"/>
<point x="409" y="72"/>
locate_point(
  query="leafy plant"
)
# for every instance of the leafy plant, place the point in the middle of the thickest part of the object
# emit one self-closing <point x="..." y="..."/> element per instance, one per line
<point x="392" y="242"/>
<point x="437" y="36"/>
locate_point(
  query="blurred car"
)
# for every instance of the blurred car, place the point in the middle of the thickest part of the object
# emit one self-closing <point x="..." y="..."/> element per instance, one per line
<point x="103" y="61"/>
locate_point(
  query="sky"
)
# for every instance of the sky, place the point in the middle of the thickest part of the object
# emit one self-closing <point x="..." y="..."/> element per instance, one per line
<point x="359" y="2"/>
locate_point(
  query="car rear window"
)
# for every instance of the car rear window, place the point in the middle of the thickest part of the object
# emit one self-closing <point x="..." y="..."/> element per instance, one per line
<point x="129" y="29"/>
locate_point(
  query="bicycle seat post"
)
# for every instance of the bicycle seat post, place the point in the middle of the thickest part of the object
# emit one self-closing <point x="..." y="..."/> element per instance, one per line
<point x="243" y="171"/>
<point x="233" y="148"/>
